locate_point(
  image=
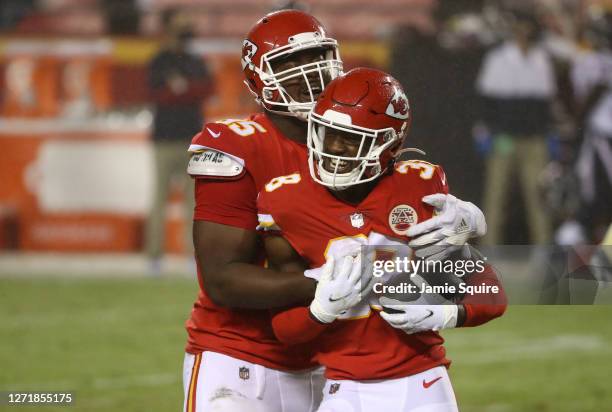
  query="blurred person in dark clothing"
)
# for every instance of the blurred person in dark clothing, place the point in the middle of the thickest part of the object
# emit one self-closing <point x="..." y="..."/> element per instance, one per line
<point x="591" y="76"/>
<point x="439" y="78"/>
<point x="179" y="82"/>
<point x="517" y="85"/>
<point x="122" y="17"/>
<point x="12" y="11"/>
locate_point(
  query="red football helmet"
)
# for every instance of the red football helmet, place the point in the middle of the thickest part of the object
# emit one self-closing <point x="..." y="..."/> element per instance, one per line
<point x="369" y="110"/>
<point x="275" y="37"/>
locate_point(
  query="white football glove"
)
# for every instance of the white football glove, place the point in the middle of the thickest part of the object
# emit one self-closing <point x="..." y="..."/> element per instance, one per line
<point x="340" y="287"/>
<point x="455" y="223"/>
<point x="419" y="318"/>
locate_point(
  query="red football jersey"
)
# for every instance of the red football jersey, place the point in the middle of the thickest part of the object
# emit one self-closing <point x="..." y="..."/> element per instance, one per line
<point x="360" y="345"/>
<point x="263" y="153"/>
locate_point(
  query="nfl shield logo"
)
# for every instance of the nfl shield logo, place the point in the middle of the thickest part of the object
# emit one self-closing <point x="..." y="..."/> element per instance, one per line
<point x="357" y="220"/>
<point x="333" y="388"/>
<point x="243" y="373"/>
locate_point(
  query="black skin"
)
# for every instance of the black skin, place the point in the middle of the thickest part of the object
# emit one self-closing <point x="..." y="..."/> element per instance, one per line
<point x="228" y="255"/>
<point x="292" y="127"/>
<point x="347" y="144"/>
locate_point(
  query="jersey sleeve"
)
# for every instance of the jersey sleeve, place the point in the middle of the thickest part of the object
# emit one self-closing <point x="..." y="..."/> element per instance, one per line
<point x="229" y="203"/>
<point x="295" y="326"/>
<point x="480" y="308"/>
<point x="225" y="190"/>
<point x="217" y="152"/>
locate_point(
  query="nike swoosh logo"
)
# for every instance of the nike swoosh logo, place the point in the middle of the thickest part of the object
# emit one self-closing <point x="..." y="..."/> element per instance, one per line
<point x="337" y="299"/>
<point x="428" y="384"/>
<point x="213" y="134"/>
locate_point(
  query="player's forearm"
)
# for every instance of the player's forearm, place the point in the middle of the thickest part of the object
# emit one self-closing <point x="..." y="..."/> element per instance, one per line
<point x="246" y="286"/>
<point x="480" y="309"/>
<point x="295" y="326"/>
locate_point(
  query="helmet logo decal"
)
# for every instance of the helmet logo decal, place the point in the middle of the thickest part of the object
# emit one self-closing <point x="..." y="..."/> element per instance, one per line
<point x="401" y="218"/>
<point x="398" y="106"/>
<point x="248" y="51"/>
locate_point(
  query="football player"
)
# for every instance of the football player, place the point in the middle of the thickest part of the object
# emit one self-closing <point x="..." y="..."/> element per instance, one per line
<point x="353" y="192"/>
<point x="232" y="353"/>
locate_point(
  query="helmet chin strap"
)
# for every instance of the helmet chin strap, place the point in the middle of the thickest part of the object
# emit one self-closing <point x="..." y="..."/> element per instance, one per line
<point x="301" y="113"/>
<point x="298" y="114"/>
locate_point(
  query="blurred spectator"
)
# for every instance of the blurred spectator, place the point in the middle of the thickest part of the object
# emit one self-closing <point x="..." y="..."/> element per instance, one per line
<point x="291" y="4"/>
<point x="179" y="83"/>
<point x="12" y="11"/>
<point x="517" y="85"/>
<point x="592" y="80"/>
<point x="561" y="195"/>
<point x="438" y="69"/>
<point x="122" y="16"/>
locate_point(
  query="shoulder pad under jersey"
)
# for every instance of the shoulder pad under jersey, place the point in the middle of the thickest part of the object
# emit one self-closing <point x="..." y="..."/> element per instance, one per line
<point x="214" y="164"/>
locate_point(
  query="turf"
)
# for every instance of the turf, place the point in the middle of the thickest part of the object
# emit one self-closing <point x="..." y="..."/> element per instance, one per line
<point x="118" y="346"/>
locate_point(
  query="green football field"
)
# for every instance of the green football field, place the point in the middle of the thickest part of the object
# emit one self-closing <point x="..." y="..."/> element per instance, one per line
<point x="118" y="346"/>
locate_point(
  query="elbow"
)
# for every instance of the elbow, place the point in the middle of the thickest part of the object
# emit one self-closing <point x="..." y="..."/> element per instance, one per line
<point x="216" y="296"/>
<point x="479" y="314"/>
<point x="218" y="291"/>
<point x="283" y="336"/>
<point x="495" y="310"/>
<point x="286" y="334"/>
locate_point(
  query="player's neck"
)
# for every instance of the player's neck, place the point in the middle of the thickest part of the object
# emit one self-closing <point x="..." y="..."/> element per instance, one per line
<point x="355" y="194"/>
<point x="291" y="127"/>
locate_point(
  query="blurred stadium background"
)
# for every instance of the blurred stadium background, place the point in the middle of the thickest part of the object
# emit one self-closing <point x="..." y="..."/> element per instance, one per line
<point x="78" y="309"/>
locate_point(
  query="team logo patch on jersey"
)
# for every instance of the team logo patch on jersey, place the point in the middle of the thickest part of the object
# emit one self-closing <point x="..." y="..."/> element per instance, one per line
<point x="357" y="220"/>
<point x="399" y="106"/>
<point x="244" y="373"/>
<point x="333" y="388"/>
<point x="248" y="51"/>
<point x="401" y="218"/>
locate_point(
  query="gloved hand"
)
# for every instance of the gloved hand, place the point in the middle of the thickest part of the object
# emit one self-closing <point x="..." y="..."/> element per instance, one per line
<point x="418" y="318"/>
<point x="447" y="232"/>
<point x="340" y="287"/>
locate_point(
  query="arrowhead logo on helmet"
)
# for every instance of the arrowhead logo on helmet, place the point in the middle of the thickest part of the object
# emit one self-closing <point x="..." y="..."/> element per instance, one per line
<point x="398" y="107"/>
<point x="248" y="51"/>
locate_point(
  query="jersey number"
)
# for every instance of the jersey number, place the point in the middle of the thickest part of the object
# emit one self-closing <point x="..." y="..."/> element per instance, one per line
<point x="283" y="180"/>
<point x="243" y="127"/>
<point x="426" y="168"/>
